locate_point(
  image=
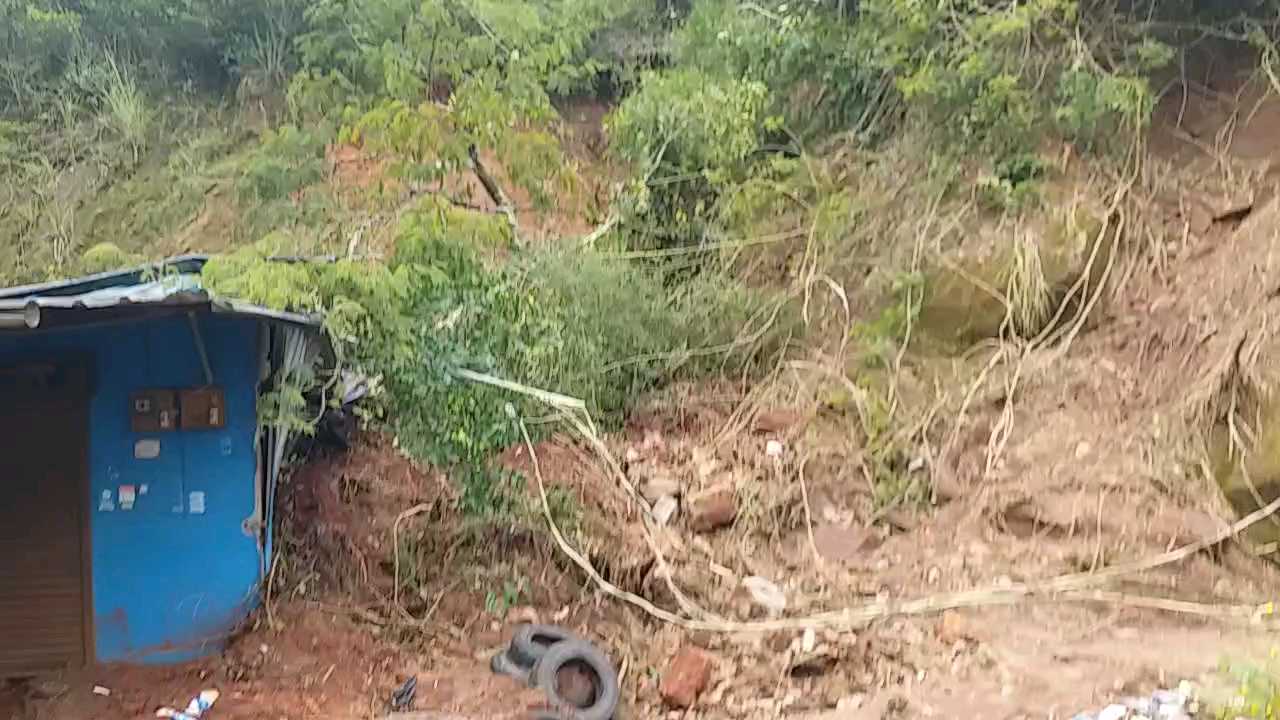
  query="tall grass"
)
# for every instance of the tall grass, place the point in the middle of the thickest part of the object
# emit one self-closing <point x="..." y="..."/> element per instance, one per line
<point x="1027" y="292"/>
<point x="127" y="111"/>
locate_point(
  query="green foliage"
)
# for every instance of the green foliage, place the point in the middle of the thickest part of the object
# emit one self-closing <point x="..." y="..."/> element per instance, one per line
<point x="421" y="139"/>
<point x="430" y="142"/>
<point x="498" y="603"/>
<point x="401" y="49"/>
<point x="1257" y="694"/>
<point x="818" y="80"/>
<point x="287" y="160"/>
<point x="689" y="122"/>
<point x="195" y="41"/>
<point x="1092" y="105"/>
<point x="104" y="257"/>
<point x="880" y="337"/>
<point x="980" y="77"/>
<point x="128" y="111"/>
<point x="1013" y="186"/>
<point x="313" y="95"/>
<point x="688" y="136"/>
<point x="568" y="322"/>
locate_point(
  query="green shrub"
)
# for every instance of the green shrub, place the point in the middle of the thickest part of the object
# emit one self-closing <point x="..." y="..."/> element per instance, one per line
<point x="103" y="257"/>
<point x="821" y="77"/>
<point x="579" y="324"/>
<point x="688" y="136"/>
<point x="313" y="95"/>
<point x="1257" y="694"/>
<point x="288" y="160"/>
<point x="998" y="79"/>
<point x="429" y="142"/>
<point x="421" y="139"/>
<point x="399" y="50"/>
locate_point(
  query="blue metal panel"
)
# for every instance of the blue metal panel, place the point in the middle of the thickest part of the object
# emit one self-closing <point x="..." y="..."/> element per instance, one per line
<point x="176" y="572"/>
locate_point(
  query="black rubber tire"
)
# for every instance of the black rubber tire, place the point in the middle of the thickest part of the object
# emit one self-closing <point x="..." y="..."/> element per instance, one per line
<point x="545" y="677"/>
<point x="501" y="664"/>
<point x="531" y="642"/>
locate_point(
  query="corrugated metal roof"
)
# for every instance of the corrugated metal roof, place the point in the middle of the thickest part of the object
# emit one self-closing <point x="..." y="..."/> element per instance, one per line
<point x="175" y="282"/>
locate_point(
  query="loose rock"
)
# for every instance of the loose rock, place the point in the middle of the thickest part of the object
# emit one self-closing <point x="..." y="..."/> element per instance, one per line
<point x="776" y="421"/>
<point x="686" y="677"/>
<point x="712" y="508"/>
<point x="843" y="543"/>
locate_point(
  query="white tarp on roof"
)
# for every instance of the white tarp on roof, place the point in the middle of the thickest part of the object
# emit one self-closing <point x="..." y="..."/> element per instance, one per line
<point x="168" y="290"/>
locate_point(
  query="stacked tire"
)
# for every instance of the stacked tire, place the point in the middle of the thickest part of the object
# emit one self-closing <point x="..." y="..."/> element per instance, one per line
<point x="539" y="654"/>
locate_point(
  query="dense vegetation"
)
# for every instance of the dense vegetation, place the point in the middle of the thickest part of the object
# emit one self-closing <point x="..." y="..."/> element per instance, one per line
<point x="137" y="128"/>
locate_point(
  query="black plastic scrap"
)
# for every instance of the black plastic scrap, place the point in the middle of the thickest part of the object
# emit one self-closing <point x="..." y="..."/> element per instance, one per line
<point x="402" y="699"/>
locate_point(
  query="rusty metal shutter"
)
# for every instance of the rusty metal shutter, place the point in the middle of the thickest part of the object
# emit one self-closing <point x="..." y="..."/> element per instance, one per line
<point x="43" y="443"/>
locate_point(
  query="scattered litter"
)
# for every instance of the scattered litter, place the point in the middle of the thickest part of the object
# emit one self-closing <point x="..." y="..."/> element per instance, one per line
<point x="773" y="449"/>
<point x="353" y="387"/>
<point x="103" y="691"/>
<point x="402" y="698"/>
<point x="1177" y="704"/>
<point x="664" y="509"/>
<point x="809" y="641"/>
<point x="195" y="708"/>
<point x="766" y="594"/>
<point x="1113" y="712"/>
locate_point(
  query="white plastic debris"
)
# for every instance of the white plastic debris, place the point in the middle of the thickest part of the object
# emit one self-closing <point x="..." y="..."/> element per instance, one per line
<point x="103" y="691"/>
<point x="766" y="594"/>
<point x="1113" y="712"/>
<point x="664" y="509"/>
<point x="773" y="448"/>
<point x="809" y="641"/>
<point x="195" y="708"/>
<point x="1177" y="704"/>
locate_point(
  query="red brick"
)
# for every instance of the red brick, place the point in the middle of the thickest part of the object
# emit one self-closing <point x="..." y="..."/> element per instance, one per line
<point x="686" y="677"/>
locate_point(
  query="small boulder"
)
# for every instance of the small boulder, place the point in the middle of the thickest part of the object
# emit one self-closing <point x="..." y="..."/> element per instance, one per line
<point x="687" y="675"/>
<point x="772" y="422"/>
<point x="713" y="508"/>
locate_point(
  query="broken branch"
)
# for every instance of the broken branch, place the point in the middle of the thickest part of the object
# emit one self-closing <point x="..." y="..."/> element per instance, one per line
<point x="495" y="191"/>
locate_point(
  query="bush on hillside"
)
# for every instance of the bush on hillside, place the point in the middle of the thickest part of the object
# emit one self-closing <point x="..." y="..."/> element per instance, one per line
<point x="569" y="322"/>
<point x="287" y="160"/>
<point x="822" y="78"/>
<point x="686" y="135"/>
